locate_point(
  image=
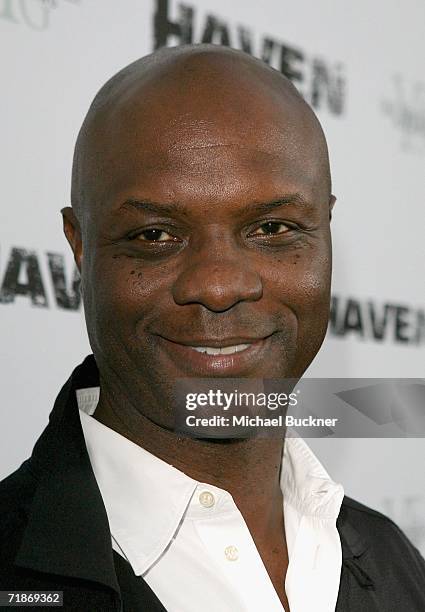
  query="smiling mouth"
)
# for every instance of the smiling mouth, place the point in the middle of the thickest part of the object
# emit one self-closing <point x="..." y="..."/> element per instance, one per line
<point x="231" y="356"/>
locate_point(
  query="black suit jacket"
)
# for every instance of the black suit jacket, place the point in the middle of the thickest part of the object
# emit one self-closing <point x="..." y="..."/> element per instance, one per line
<point x="54" y="533"/>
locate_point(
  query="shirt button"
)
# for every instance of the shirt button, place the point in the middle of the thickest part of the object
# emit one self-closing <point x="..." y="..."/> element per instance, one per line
<point x="231" y="553"/>
<point x="206" y="499"/>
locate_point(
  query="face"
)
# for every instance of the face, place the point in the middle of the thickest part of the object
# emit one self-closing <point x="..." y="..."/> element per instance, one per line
<point x="206" y="251"/>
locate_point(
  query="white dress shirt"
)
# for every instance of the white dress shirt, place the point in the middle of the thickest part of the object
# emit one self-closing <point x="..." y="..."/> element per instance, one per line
<point x="189" y="540"/>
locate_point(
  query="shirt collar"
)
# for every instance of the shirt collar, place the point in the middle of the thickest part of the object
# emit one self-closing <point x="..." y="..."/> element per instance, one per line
<point x="306" y="484"/>
<point x="134" y="483"/>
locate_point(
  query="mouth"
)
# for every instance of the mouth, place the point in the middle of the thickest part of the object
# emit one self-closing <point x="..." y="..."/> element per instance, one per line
<point x="217" y="357"/>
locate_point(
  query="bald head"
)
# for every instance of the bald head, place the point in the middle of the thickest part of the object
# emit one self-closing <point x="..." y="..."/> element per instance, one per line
<point x="192" y="96"/>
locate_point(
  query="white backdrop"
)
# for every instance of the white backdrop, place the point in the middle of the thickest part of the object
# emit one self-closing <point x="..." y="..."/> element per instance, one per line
<point x="361" y="65"/>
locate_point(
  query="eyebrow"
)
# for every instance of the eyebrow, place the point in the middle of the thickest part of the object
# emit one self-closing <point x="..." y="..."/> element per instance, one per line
<point x="261" y="207"/>
<point x="292" y="198"/>
<point x="150" y="206"/>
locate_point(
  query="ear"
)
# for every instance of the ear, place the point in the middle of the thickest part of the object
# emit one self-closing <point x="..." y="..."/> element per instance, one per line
<point x="332" y="201"/>
<point x="72" y="231"/>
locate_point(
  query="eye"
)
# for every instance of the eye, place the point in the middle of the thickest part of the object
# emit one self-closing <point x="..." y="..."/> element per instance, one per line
<point x="155" y="235"/>
<point x="271" y="228"/>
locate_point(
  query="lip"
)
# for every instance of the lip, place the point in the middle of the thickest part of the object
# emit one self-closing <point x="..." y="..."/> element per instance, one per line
<point x="203" y="365"/>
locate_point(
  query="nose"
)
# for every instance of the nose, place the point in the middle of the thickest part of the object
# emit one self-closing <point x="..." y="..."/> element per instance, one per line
<point x="217" y="281"/>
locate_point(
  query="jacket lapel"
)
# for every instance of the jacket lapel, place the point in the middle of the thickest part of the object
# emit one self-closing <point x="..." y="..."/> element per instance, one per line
<point x="357" y="587"/>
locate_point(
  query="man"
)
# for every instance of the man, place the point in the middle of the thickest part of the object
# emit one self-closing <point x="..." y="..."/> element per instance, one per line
<point x="201" y="200"/>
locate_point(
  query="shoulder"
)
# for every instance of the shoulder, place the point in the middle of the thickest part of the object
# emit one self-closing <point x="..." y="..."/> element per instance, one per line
<point x="364" y="515"/>
<point x="367" y="519"/>
<point x="386" y="544"/>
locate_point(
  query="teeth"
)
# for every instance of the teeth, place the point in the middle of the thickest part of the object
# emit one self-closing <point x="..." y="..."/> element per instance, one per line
<point x="225" y="350"/>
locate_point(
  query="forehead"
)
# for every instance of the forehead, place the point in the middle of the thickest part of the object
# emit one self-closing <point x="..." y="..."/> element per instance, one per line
<point x="224" y="137"/>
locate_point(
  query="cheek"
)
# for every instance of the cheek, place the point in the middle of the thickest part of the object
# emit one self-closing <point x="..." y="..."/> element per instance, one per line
<point x="301" y="279"/>
<point x="118" y="293"/>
